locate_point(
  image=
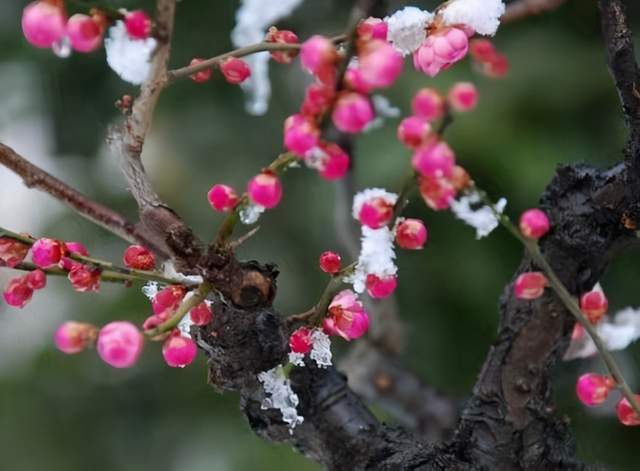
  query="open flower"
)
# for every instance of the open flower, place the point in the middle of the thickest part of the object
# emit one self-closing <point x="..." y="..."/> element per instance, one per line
<point x="346" y="316"/>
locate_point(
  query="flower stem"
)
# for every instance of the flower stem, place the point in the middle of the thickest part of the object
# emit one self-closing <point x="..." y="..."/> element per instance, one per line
<point x="314" y="315"/>
<point x="279" y="165"/>
<point x="127" y="274"/>
<point x="105" y="275"/>
<point x="241" y="52"/>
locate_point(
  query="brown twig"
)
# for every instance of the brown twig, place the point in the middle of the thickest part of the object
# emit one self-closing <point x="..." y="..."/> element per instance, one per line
<point x="165" y="227"/>
<point x="188" y="70"/>
<point x="521" y="9"/>
<point x="34" y="177"/>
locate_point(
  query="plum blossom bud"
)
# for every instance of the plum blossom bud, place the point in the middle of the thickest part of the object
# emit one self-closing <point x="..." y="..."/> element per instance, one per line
<point x="530" y="285"/>
<point x="346" y="316"/>
<point x="317" y="54"/>
<point x="330" y="262"/>
<point x="203" y="75"/>
<point x="490" y="61"/>
<point x="626" y="414"/>
<point x="84" y="32"/>
<point x="265" y="189"/>
<point x="36" y="279"/>
<point x="300" y="340"/>
<point x="460" y="178"/>
<point x="434" y="159"/>
<point x="352" y="112"/>
<point x="380" y="288"/>
<point x="46" y="252"/>
<point x="437" y="192"/>
<point x="201" y="314"/>
<point x="74" y="337"/>
<point x="594" y="305"/>
<point x="12" y="252"/>
<point x="380" y="64"/>
<point x="317" y="99"/>
<point x="235" y="70"/>
<point x="300" y="134"/>
<point x="139" y="258"/>
<point x="413" y="131"/>
<point x="282" y="36"/>
<point x="463" y="96"/>
<point x="428" y="104"/>
<point x="497" y="67"/>
<point x="331" y="161"/>
<point x="138" y="24"/>
<point x="355" y="81"/>
<point x="372" y="28"/>
<point x="222" y="198"/>
<point x="534" y="223"/>
<point x="84" y="278"/>
<point x="18" y="292"/>
<point x="153" y="321"/>
<point x="482" y="49"/>
<point x="375" y="212"/>
<point x="76" y="248"/>
<point x="411" y="234"/>
<point x="441" y="50"/>
<point x="167" y="300"/>
<point x="43" y="23"/>
<point x="120" y="344"/>
<point x="592" y="389"/>
<point x="179" y="351"/>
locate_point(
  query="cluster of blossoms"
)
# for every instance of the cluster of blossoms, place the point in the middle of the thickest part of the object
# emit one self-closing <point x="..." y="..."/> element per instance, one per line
<point x="45" y="254"/>
<point x="118" y="343"/>
<point x="234" y="70"/>
<point x="45" y="25"/>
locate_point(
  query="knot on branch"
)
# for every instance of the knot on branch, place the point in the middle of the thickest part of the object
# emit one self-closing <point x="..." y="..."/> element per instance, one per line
<point x="247" y="285"/>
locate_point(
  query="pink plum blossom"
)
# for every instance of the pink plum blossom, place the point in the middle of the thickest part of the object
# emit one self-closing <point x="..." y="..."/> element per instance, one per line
<point x="120" y="344"/>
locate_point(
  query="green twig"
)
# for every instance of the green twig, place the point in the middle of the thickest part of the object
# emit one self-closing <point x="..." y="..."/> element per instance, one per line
<point x="199" y="295"/>
<point x="128" y="274"/>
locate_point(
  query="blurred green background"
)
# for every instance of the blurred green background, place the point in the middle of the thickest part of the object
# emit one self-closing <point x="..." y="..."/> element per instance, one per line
<point x="74" y="413"/>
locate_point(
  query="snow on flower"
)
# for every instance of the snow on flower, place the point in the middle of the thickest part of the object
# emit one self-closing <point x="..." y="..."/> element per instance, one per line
<point x="251" y="213"/>
<point x="129" y="58"/>
<point x="252" y="20"/>
<point x="376" y="257"/>
<point x="365" y="195"/>
<point x="481" y="218"/>
<point x="150" y="289"/>
<point x="617" y="334"/>
<point x="321" y="350"/>
<point x="481" y="15"/>
<point x="280" y="396"/>
<point x="408" y="28"/>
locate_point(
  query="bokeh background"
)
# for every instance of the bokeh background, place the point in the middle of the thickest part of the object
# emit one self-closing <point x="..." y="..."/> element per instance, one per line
<point x="65" y="413"/>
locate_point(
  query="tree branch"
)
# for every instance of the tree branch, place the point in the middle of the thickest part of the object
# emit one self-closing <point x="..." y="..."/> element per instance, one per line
<point x="34" y="177"/>
<point x="521" y="9"/>
<point x="622" y="64"/>
<point x="127" y="141"/>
